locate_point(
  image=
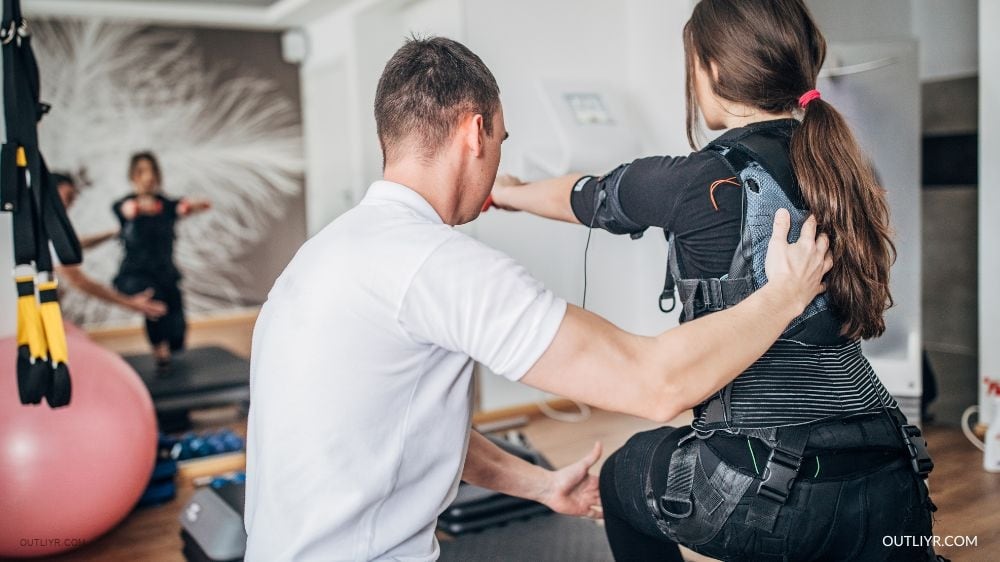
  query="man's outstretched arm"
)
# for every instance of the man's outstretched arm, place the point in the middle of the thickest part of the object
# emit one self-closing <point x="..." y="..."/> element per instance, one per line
<point x="594" y="361"/>
<point x="571" y="490"/>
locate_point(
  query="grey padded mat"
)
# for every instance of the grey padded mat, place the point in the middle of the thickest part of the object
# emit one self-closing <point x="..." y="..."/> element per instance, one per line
<point x="546" y="538"/>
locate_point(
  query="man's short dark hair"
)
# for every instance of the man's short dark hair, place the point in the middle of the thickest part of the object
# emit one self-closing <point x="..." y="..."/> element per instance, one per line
<point x="59" y="178"/>
<point x="426" y="87"/>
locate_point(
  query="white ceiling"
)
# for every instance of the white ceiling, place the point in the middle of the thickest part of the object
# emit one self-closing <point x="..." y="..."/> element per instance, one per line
<point x="257" y="14"/>
<point x="251" y="3"/>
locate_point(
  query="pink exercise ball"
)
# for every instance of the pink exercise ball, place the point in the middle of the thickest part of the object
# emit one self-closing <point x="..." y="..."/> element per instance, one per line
<point x="69" y="475"/>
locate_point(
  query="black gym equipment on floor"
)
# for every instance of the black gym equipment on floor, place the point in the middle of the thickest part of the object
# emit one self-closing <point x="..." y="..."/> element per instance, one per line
<point x="212" y="524"/>
<point x="196" y="378"/>
<point x="550" y="538"/>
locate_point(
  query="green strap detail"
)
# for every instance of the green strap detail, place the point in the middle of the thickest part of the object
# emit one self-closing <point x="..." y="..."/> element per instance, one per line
<point x="753" y="457"/>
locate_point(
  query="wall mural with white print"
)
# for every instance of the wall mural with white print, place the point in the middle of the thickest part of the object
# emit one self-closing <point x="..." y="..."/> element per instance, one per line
<point x="221" y="111"/>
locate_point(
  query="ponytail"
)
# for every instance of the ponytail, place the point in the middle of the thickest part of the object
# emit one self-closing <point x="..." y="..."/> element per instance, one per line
<point x="767" y="55"/>
<point x="840" y="189"/>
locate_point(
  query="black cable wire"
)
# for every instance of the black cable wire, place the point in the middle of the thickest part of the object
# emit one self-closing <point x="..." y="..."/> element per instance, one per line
<point x="586" y="249"/>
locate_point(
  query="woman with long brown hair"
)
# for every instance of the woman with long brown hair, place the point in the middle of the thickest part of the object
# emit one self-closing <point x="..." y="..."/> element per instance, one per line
<point x="805" y="456"/>
<point x="147" y="218"/>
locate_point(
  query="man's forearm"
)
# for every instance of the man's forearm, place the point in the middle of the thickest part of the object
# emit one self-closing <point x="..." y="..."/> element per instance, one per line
<point x="87" y="242"/>
<point x="703" y="355"/>
<point x="659" y="377"/>
<point x="547" y="198"/>
<point x="489" y="466"/>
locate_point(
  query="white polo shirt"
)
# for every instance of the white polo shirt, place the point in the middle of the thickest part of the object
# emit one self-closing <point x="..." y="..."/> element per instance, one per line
<point x="361" y="378"/>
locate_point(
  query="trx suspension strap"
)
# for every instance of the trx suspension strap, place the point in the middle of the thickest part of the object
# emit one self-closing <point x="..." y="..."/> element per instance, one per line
<point x="27" y="192"/>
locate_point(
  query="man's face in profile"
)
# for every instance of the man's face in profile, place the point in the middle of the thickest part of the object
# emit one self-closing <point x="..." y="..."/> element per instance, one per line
<point x="484" y="173"/>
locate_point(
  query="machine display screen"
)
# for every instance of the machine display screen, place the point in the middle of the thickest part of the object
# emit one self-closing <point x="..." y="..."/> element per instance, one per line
<point x="589" y="109"/>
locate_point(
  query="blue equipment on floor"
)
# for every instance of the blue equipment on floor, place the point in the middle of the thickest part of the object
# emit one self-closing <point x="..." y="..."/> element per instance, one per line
<point x="162" y="485"/>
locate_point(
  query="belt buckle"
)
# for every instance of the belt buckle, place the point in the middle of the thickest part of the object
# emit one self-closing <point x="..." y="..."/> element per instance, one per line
<point x="716" y="300"/>
<point x="780" y="471"/>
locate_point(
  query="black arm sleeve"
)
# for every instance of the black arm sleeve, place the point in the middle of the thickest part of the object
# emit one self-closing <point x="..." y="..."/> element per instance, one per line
<point x="637" y="195"/>
<point x="596" y="202"/>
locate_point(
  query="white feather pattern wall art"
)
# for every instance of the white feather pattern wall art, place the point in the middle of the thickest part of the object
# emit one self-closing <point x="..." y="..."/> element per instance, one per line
<point x="224" y="128"/>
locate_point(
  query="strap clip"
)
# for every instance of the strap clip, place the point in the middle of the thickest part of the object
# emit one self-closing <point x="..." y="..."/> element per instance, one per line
<point x="708" y="296"/>
<point x="920" y="459"/>
<point x="779" y="473"/>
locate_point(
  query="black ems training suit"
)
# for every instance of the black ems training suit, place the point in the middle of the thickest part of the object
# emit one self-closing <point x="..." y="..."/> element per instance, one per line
<point x="801" y="457"/>
<point x="148" y="240"/>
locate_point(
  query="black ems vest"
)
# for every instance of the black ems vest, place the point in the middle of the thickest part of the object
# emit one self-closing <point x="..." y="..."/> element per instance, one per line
<point x="795" y="381"/>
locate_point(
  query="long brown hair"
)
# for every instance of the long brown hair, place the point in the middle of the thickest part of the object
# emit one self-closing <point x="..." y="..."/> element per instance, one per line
<point x="767" y="54"/>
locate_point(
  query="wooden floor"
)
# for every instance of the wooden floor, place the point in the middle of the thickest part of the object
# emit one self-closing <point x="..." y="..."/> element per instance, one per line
<point x="968" y="497"/>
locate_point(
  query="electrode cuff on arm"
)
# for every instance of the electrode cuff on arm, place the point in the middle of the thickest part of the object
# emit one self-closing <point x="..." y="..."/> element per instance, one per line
<point x="596" y="202"/>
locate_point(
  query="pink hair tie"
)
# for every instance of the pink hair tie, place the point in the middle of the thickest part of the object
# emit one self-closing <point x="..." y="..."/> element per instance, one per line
<point x="807" y="97"/>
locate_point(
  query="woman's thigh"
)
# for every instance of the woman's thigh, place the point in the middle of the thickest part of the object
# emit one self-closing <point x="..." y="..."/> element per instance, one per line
<point x="637" y="472"/>
<point x="833" y="520"/>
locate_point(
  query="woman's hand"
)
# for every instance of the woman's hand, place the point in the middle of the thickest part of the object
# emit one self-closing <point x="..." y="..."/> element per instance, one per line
<point x="572" y="490"/>
<point x="500" y="196"/>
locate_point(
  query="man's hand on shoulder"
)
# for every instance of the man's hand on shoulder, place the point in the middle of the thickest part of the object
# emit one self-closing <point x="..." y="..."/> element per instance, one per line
<point x="795" y="271"/>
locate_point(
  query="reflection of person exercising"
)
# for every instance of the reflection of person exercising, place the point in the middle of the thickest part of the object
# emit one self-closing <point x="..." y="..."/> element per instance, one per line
<point x="147" y="220"/>
<point x="142" y="302"/>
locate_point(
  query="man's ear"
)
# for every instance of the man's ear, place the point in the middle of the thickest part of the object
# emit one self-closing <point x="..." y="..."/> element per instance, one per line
<point x="474" y="134"/>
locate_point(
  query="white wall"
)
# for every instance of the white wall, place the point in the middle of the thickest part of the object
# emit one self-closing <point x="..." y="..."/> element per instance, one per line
<point x="989" y="197"/>
<point x="347" y="50"/>
<point x="948" y="33"/>
<point x="635" y="47"/>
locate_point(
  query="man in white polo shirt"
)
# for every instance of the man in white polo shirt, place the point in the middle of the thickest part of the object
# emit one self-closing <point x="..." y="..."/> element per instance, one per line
<point x="361" y="377"/>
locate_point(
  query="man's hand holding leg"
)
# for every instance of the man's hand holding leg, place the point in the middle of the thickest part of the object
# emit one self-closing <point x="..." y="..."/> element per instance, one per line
<point x="571" y="490"/>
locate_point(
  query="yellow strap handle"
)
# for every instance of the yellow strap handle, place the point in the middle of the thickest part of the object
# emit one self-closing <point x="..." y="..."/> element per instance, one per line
<point x="21" y="157"/>
<point x="52" y="321"/>
<point x="30" y="330"/>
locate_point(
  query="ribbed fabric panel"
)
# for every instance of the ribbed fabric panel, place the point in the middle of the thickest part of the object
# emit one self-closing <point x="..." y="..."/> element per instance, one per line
<point x="795" y="383"/>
